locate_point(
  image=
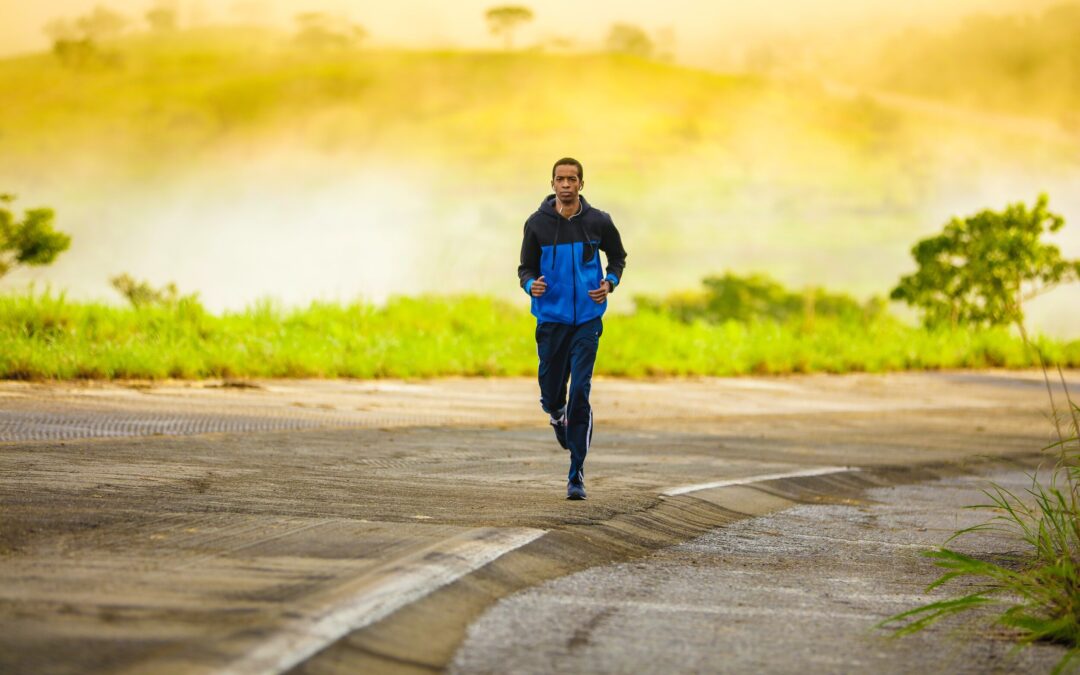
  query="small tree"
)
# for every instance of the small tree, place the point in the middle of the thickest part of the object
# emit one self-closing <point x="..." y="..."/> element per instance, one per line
<point x="162" y="17"/>
<point x="504" y="20"/>
<point x="101" y="23"/>
<point x="77" y="42"/>
<point x="61" y="29"/>
<point x="624" y="38"/>
<point x="33" y="241"/>
<point x="664" y="44"/>
<point x="982" y="269"/>
<point x="70" y="47"/>
<point x="317" y="30"/>
<point x="142" y="294"/>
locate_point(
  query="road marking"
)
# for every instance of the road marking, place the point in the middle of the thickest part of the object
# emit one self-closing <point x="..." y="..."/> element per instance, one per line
<point x="405" y="582"/>
<point x="820" y="471"/>
<point x="695" y="608"/>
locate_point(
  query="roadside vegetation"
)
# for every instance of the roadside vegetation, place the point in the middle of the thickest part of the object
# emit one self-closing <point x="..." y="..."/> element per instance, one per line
<point x="979" y="271"/>
<point x="734" y="325"/>
<point x="45" y="336"/>
<point x="1034" y="592"/>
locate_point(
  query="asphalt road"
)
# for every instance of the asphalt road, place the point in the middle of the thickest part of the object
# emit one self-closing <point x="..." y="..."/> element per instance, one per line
<point x="341" y="526"/>
<point x="800" y="590"/>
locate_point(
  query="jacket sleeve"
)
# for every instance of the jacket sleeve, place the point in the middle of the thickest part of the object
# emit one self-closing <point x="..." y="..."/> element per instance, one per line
<point x="529" y="267"/>
<point x="612" y="246"/>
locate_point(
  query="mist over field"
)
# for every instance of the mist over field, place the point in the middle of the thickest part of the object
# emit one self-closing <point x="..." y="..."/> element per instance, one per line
<point x="242" y="164"/>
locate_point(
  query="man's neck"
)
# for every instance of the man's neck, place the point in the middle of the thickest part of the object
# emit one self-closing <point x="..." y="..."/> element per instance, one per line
<point x="568" y="210"/>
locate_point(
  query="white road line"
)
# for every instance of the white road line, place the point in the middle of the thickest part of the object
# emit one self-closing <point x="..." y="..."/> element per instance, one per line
<point x="405" y="582"/>
<point x="688" y="608"/>
<point x="820" y="471"/>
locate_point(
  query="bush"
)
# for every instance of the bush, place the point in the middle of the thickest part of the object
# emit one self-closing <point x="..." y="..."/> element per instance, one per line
<point x="757" y="297"/>
<point x="32" y="241"/>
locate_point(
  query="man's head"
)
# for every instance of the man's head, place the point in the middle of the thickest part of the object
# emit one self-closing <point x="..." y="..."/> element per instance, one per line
<point x="567" y="179"/>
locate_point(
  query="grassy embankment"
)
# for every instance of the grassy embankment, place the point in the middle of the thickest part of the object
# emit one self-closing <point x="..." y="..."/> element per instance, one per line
<point x="46" y="337"/>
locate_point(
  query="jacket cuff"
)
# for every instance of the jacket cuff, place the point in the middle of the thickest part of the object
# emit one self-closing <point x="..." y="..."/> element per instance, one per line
<point x="528" y="286"/>
<point x="613" y="279"/>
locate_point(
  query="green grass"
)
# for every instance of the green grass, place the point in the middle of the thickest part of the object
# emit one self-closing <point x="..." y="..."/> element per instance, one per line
<point x="47" y="337"/>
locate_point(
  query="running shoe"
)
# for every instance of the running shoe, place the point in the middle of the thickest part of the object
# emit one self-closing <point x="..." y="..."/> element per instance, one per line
<point x="575" y="490"/>
<point x="559" y="425"/>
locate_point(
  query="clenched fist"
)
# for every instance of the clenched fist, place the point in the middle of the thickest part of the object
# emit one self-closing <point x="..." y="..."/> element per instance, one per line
<point x="600" y="294"/>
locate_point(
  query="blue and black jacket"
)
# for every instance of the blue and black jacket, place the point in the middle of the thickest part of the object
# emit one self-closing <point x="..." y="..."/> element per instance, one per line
<point x="564" y="252"/>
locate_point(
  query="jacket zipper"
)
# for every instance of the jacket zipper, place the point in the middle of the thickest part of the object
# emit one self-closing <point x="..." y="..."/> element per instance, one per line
<point x="573" y="260"/>
<point x="573" y="269"/>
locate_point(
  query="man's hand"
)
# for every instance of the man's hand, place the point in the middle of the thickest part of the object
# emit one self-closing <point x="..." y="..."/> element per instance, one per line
<point x="600" y="294"/>
<point x="538" y="288"/>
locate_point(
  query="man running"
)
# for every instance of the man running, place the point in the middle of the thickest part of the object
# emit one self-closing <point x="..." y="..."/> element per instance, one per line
<point x="560" y="269"/>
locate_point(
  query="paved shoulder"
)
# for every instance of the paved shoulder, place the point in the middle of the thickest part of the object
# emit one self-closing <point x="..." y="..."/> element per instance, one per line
<point x="795" y="591"/>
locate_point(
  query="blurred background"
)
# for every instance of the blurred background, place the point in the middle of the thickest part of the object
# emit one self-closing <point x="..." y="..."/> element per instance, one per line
<point x="301" y="150"/>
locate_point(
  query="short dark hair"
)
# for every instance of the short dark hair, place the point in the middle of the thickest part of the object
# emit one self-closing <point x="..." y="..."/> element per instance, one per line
<point x="569" y="161"/>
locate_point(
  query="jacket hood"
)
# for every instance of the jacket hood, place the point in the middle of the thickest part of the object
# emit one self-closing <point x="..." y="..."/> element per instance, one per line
<point x="548" y="206"/>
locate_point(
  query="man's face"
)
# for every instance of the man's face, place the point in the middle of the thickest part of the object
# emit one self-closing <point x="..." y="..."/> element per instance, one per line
<point x="566" y="183"/>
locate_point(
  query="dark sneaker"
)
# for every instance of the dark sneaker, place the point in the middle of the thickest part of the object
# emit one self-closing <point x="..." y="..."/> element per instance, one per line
<point x="559" y="425"/>
<point x="575" y="490"/>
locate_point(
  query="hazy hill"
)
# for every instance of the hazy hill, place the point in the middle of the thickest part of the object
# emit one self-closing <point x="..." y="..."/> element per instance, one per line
<point x="1020" y="63"/>
<point x="239" y="164"/>
<point x="186" y="94"/>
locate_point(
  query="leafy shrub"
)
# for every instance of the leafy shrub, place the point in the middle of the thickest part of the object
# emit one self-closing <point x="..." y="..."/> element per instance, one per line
<point x="32" y="241"/>
<point x="757" y="297"/>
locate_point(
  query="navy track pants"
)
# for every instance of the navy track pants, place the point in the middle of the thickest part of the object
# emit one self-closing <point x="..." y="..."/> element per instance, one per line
<point x="567" y="354"/>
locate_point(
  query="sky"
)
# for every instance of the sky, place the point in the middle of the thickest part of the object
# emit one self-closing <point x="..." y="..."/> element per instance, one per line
<point x="705" y="33"/>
